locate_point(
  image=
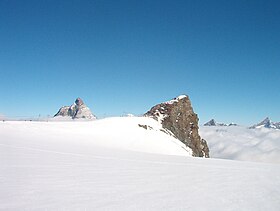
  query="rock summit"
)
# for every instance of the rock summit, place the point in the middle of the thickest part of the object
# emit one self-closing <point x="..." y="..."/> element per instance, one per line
<point x="178" y="117"/>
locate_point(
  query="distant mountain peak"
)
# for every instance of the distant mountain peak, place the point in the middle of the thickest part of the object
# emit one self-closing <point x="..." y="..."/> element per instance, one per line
<point x="213" y="122"/>
<point x="266" y="123"/>
<point x="78" y="110"/>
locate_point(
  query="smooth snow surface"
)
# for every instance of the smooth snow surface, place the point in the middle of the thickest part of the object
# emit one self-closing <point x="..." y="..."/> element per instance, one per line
<point x="94" y="166"/>
<point x="241" y="143"/>
<point x="119" y="132"/>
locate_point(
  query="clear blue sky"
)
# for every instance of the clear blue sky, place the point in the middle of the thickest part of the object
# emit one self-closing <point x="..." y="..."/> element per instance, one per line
<point x="125" y="56"/>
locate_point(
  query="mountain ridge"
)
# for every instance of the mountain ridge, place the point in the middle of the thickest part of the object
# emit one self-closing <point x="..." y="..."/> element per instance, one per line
<point x="266" y="123"/>
<point x="213" y="122"/>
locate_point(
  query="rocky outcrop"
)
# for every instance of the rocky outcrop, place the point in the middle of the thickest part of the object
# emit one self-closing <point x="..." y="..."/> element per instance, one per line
<point x="78" y="110"/>
<point x="178" y="117"/>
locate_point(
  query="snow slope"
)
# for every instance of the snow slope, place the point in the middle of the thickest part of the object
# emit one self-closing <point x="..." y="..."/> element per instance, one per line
<point x="241" y="143"/>
<point x="101" y="165"/>
<point x="117" y="132"/>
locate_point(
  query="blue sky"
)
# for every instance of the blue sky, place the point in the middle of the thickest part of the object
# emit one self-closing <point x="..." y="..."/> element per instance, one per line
<point x="125" y="56"/>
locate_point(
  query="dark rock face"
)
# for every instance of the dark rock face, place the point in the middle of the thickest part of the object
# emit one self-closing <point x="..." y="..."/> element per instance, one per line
<point x="76" y="111"/>
<point x="178" y="117"/>
<point x="79" y="101"/>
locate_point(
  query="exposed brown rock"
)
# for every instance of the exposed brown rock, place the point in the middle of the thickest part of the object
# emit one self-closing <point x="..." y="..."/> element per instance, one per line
<point x="178" y="117"/>
<point x="146" y="127"/>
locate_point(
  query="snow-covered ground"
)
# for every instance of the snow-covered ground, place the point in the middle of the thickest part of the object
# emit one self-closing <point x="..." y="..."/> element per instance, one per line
<point x="241" y="143"/>
<point x="113" y="164"/>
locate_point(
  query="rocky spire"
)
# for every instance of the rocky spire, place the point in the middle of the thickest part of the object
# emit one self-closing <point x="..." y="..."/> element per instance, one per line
<point x="78" y="110"/>
<point x="177" y="116"/>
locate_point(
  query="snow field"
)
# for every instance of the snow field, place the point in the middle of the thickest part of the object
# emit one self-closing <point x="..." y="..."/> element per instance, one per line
<point x="113" y="164"/>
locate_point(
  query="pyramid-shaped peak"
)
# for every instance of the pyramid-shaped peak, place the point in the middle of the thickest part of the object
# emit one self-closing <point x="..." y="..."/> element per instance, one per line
<point x="212" y="122"/>
<point x="265" y="123"/>
<point x="78" y="110"/>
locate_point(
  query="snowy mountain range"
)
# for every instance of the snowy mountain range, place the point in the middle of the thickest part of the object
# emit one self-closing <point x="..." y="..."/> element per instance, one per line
<point x="213" y="122"/>
<point x="266" y="123"/>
